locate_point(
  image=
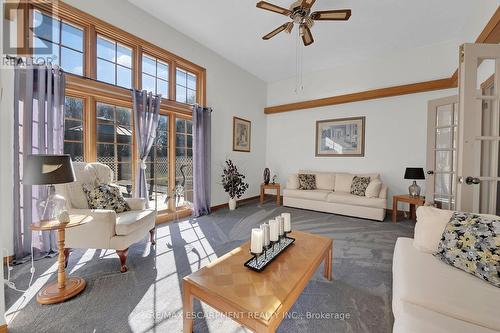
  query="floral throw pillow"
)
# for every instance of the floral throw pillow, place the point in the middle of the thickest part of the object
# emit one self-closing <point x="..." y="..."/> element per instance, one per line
<point x="307" y="182"/>
<point x="359" y="185"/>
<point x="471" y="243"/>
<point x="106" y="196"/>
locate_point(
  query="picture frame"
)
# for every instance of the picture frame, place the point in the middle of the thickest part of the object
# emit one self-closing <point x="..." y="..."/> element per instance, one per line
<point x="343" y="137"/>
<point x="242" y="134"/>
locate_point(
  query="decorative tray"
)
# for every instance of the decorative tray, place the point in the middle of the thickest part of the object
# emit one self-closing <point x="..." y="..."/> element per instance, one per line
<point x="260" y="262"/>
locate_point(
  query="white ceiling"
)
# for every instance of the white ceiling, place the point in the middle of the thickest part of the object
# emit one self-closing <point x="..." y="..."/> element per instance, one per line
<point x="233" y="29"/>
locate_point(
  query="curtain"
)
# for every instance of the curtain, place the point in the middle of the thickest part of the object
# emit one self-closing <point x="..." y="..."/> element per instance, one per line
<point x="38" y="129"/>
<point x="201" y="160"/>
<point x="146" y="116"/>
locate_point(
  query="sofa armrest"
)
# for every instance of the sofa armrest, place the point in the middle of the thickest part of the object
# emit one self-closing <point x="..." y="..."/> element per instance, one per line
<point x="136" y="203"/>
<point x="383" y="191"/>
<point x="94" y="234"/>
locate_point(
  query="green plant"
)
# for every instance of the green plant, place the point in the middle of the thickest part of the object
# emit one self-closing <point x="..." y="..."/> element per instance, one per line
<point x="233" y="181"/>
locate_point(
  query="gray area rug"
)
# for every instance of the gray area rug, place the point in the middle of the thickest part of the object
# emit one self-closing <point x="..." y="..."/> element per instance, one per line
<point x="148" y="297"/>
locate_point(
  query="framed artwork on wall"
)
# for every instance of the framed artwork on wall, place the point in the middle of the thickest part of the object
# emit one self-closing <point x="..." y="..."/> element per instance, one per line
<point x="242" y="132"/>
<point x="340" y="137"/>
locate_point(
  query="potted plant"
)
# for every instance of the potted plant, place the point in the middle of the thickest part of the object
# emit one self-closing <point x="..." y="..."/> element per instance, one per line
<point x="233" y="183"/>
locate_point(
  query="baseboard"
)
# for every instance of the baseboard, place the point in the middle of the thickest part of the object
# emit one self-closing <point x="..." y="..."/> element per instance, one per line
<point x="5" y="260"/>
<point x="3" y="328"/>
<point x="226" y="205"/>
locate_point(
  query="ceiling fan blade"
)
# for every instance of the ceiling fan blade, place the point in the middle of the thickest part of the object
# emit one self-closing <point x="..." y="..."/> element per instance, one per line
<point x="306" y="34"/>
<point x="273" y="8"/>
<point x="332" y="15"/>
<point x="275" y="31"/>
<point x="308" y="3"/>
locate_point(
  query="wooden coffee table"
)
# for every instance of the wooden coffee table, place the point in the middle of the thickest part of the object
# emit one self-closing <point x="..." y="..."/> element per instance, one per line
<point x="258" y="301"/>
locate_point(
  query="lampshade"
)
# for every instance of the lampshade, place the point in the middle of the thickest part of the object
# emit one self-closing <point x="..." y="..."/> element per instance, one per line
<point x="48" y="170"/>
<point x="414" y="173"/>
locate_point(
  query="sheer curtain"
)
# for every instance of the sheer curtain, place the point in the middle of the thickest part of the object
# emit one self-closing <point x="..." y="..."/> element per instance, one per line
<point x="202" y="126"/>
<point x="38" y="129"/>
<point x="146" y="116"/>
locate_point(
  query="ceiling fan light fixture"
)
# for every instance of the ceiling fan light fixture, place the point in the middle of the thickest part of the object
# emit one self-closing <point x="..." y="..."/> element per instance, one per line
<point x="309" y="22"/>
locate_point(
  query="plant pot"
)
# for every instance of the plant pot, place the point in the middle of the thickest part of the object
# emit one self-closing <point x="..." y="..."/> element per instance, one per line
<point x="232" y="203"/>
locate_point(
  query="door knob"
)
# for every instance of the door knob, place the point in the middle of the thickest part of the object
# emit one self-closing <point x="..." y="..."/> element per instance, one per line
<point x="430" y="172"/>
<point x="472" y="180"/>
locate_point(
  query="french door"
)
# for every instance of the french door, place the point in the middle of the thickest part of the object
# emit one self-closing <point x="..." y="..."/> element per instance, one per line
<point x="478" y="173"/>
<point x="442" y="123"/>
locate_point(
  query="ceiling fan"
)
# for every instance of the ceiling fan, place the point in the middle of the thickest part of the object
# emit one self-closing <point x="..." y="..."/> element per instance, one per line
<point x="300" y="13"/>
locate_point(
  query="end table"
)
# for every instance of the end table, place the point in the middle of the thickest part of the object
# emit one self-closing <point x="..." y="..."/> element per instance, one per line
<point x="275" y="186"/>
<point x="63" y="289"/>
<point x="412" y="201"/>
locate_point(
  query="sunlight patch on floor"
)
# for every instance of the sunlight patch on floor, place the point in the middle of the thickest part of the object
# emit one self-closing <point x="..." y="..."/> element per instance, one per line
<point x="87" y="256"/>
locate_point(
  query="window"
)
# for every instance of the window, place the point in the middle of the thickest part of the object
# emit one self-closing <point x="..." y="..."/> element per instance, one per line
<point x="157" y="167"/>
<point x="63" y="40"/>
<point x="155" y="76"/>
<point x="185" y="88"/>
<point x="114" y="143"/>
<point x="184" y="158"/>
<point x="114" y="62"/>
<point x="73" y="128"/>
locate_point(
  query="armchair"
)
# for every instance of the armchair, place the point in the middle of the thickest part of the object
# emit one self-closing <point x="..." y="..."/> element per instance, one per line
<point x="108" y="229"/>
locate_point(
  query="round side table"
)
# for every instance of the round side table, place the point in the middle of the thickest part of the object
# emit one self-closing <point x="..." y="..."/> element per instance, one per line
<point x="64" y="288"/>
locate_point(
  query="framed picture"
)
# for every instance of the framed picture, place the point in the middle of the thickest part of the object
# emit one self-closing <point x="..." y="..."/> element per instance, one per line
<point x="242" y="132"/>
<point x="340" y="137"/>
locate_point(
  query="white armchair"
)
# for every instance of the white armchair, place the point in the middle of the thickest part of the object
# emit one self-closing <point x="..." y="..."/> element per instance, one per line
<point x="108" y="229"/>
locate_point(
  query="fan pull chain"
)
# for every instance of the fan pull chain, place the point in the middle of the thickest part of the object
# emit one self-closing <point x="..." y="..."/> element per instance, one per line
<point x="299" y="86"/>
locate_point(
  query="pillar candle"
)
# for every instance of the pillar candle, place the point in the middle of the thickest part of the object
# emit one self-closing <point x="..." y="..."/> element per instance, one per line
<point x="265" y="231"/>
<point x="256" y="241"/>
<point x="287" y="224"/>
<point x="273" y="230"/>
<point x="281" y="229"/>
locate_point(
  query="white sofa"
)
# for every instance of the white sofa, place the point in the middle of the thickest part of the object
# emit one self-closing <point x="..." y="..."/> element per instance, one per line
<point x="333" y="196"/>
<point x="432" y="296"/>
<point x="107" y="230"/>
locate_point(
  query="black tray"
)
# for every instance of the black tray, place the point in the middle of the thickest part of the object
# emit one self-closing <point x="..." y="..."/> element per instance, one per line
<point x="259" y="263"/>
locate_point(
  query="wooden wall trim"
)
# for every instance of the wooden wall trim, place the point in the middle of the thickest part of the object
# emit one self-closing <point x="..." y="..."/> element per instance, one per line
<point x="365" y="95"/>
<point x="490" y="34"/>
<point x="3" y="328"/>
<point x="225" y="205"/>
<point x="8" y="259"/>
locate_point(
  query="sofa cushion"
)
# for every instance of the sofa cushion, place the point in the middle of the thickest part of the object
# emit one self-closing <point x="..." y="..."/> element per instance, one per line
<point x="359" y="185"/>
<point x="343" y="182"/>
<point x="430" y="225"/>
<point x="351" y="199"/>
<point x="373" y="189"/>
<point x="422" y="279"/>
<point x="325" y="181"/>
<point x="293" y="181"/>
<point x="319" y="195"/>
<point x="307" y="182"/>
<point x="472" y="243"/>
<point x="128" y="222"/>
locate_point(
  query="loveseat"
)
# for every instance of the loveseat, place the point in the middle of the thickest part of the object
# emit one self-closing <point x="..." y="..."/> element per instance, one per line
<point x="333" y="195"/>
<point x="432" y="296"/>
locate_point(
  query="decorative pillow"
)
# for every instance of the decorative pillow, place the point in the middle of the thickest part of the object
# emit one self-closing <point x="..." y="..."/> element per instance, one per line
<point x="431" y="222"/>
<point x="106" y="196"/>
<point x="471" y="243"/>
<point x="292" y="183"/>
<point x="359" y="185"/>
<point x="307" y="182"/>
<point x="325" y="181"/>
<point x="373" y="189"/>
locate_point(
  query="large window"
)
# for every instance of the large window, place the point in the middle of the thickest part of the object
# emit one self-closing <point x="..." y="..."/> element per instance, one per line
<point x="155" y="76"/>
<point x="184" y="158"/>
<point x="62" y="39"/>
<point x="114" y="142"/>
<point x="157" y="168"/>
<point x="185" y="86"/>
<point x="114" y="62"/>
<point x="73" y="128"/>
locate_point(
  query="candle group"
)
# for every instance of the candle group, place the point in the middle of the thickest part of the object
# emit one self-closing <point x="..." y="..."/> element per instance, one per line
<point x="270" y="232"/>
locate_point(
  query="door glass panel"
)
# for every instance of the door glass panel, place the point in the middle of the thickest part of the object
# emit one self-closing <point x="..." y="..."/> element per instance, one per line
<point x="442" y="184"/>
<point x="443" y="138"/>
<point x="443" y="161"/>
<point x="157" y="168"/>
<point x="444" y="115"/>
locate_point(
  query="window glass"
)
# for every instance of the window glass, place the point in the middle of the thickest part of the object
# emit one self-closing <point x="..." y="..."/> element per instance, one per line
<point x="114" y="62"/>
<point x="157" y="167"/>
<point x="155" y="75"/>
<point x="114" y="143"/>
<point x="58" y="42"/>
<point x="185" y="89"/>
<point x="184" y="160"/>
<point x="73" y="128"/>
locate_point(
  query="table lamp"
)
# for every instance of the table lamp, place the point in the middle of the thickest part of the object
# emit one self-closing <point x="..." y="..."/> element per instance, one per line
<point x="414" y="174"/>
<point x="48" y="170"/>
